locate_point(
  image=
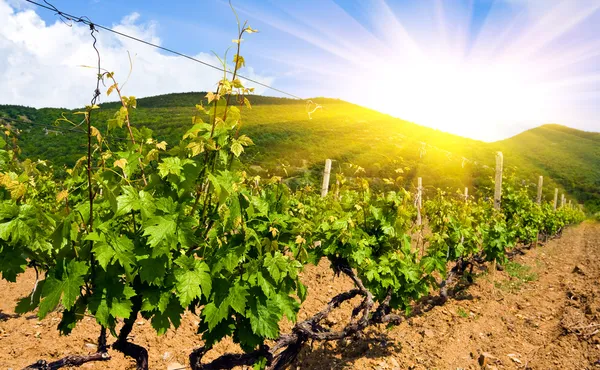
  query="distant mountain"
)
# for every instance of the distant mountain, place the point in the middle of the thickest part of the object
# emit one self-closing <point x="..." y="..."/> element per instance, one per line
<point x="571" y="157"/>
<point x="293" y="144"/>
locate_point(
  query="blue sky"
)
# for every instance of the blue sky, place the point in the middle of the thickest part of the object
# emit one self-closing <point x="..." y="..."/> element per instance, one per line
<point x="485" y="69"/>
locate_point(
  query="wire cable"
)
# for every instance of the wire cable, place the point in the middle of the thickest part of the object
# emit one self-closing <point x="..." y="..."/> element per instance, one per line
<point x="62" y="130"/>
<point x="87" y="21"/>
<point x="48" y="126"/>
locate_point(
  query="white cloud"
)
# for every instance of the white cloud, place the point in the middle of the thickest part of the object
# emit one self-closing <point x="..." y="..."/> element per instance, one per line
<point x="40" y="64"/>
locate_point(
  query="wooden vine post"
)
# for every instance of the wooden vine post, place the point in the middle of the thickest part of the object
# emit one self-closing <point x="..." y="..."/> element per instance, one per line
<point x="497" y="198"/>
<point x="326" y="174"/>
<point x="539" y="201"/>
<point x="498" y="180"/>
<point x="562" y="200"/>
<point x="555" y="198"/>
<point x="539" y="190"/>
<point x="466" y="194"/>
<point x="419" y="204"/>
<point x="419" y="201"/>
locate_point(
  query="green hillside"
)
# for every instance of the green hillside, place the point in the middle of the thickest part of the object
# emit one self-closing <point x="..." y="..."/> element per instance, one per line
<point x="291" y="145"/>
<point x="570" y="156"/>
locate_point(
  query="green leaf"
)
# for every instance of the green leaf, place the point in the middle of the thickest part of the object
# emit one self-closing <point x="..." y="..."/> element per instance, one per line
<point x="301" y="290"/>
<point x="245" y="140"/>
<point x="197" y="128"/>
<point x="109" y="248"/>
<point x="246" y="337"/>
<point x="16" y="230"/>
<point x="239" y="61"/>
<point x="31" y="302"/>
<point x="8" y="210"/>
<point x="71" y="316"/>
<point x="132" y="200"/>
<point x="64" y="280"/>
<point x="121" y="308"/>
<point x="121" y="116"/>
<point x="128" y="201"/>
<point x="161" y="233"/>
<point x="161" y="321"/>
<point x="111" y="298"/>
<point x="223" y="329"/>
<point x="155" y="299"/>
<point x="152" y="270"/>
<point x="277" y="265"/>
<point x="213" y="315"/>
<point x="237" y="298"/>
<point x="260" y="364"/>
<point x="185" y="231"/>
<point x="104" y="253"/>
<point x="288" y="305"/>
<point x="192" y="279"/>
<point x="265" y="284"/>
<point x="12" y="262"/>
<point x="237" y="148"/>
<point x="170" y="166"/>
<point x="101" y="312"/>
<point x="264" y="318"/>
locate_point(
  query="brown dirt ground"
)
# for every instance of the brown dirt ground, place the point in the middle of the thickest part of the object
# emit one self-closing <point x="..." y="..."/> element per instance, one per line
<point x="551" y="322"/>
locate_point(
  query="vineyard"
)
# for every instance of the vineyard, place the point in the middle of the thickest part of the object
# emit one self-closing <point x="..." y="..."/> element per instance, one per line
<point x="139" y="229"/>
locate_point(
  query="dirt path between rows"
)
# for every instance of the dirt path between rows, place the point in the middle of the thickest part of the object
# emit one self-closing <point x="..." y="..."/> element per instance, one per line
<point x="543" y="312"/>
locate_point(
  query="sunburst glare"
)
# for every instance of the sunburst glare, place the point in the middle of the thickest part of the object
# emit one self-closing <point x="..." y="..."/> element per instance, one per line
<point x="482" y="69"/>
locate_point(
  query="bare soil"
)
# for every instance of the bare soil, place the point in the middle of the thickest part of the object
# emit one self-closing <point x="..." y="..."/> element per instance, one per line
<point x="546" y="315"/>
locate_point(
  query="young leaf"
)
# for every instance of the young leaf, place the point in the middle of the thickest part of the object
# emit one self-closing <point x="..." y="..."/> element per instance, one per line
<point x="277" y="265"/>
<point x="110" y="89"/>
<point x="170" y="165"/>
<point x="161" y="233"/>
<point x="237" y="148"/>
<point x="192" y="279"/>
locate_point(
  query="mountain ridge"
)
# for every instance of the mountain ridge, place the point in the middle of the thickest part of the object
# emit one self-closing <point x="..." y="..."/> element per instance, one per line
<point x="292" y="144"/>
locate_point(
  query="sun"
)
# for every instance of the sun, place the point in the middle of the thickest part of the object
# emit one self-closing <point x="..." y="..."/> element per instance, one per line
<point x="467" y="98"/>
<point x="513" y="73"/>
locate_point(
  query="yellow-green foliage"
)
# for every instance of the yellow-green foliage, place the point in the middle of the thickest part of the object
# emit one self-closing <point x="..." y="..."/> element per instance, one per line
<point x="291" y="145"/>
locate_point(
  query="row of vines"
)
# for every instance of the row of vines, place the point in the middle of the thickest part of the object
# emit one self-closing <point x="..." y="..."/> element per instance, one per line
<point x="139" y="228"/>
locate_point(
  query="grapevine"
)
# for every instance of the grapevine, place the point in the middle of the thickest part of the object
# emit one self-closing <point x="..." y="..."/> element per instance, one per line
<point x="144" y="228"/>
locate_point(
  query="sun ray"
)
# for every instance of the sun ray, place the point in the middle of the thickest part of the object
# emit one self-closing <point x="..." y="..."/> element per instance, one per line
<point x="510" y="64"/>
<point x="552" y="25"/>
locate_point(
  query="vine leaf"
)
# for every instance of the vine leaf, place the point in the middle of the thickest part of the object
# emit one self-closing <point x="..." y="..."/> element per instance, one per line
<point x="237" y="298"/>
<point x="277" y="265"/>
<point x="192" y="279"/>
<point x="115" y="249"/>
<point x="12" y="262"/>
<point x="159" y="230"/>
<point x="213" y="315"/>
<point x="288" y="305"/>
<point x="170" y="165"/>
<point x="64" y="280"/>
<point x="162" y="320"/>
<point x="264" y="318"/>
<point x="152" y="270"/>
<point x="237" y="148"/>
